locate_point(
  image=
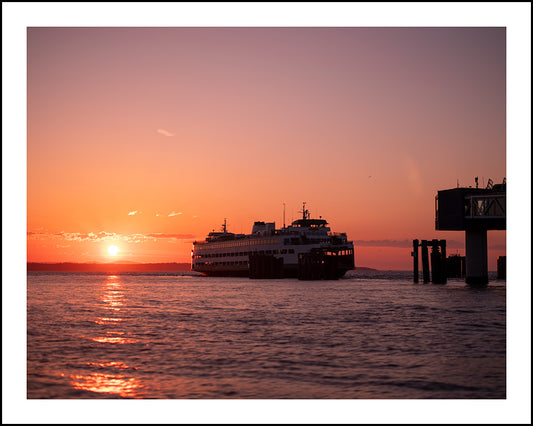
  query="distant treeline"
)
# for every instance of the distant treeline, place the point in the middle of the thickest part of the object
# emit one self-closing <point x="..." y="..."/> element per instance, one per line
<point x="107" y="267"/>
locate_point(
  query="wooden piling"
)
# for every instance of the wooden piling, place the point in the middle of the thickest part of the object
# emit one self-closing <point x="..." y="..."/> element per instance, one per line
<point x="444" y="271"/>
<point x="317" y="265"/>
<point x="501" y="268"/>
<point x="436" y="263"/>
<point x="415" y="261"/>
<point x="425" y="261"/>
<point x="265" y="266"/>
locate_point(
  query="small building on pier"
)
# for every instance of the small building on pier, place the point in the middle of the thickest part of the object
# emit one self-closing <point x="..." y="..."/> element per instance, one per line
<point x="474" y="211"/>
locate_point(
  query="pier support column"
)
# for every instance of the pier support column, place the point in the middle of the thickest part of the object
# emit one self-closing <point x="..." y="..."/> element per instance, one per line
<point x="476" y="257"/>
<point x="444" y="267"/>
<point x="501" y="265"/>
<point x="425" y="261"/>
<point x="437" y="271"/>
<point x="415" y="260"/>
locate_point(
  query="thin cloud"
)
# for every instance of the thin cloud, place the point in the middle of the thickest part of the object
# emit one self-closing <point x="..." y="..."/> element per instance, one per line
<point x="36" y="235"/>
<point x="384" y="243"/>
<point x="174" y="214"/>
<point x="174" y="236"/>
<point x="133" y="213"/>
<point x="400" y="243"/>
<point x="78" y="236"/>
<point x="64" y="237"/>
<point x="137" y="238"/>
<point x="164" y="132"/>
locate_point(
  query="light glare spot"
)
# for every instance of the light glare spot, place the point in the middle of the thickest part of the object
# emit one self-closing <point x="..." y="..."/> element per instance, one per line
<point x="113" y="250"/>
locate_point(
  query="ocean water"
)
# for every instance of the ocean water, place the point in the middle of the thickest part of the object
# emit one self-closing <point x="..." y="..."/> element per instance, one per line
<point x="369" y="335"/>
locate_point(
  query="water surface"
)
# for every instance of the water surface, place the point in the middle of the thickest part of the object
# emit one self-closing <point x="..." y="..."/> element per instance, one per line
<point x="370" y="335"/>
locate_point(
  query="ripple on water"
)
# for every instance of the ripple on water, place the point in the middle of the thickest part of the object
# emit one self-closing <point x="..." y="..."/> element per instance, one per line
<point x="171" y="336"/>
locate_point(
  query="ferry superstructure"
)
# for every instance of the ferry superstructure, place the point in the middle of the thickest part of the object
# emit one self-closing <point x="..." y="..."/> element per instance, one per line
<point x="227" y="254"/>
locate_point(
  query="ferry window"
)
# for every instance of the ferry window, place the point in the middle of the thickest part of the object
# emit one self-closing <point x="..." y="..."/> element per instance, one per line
<point x="291" y="250"/>
<point x="283" y="251"/>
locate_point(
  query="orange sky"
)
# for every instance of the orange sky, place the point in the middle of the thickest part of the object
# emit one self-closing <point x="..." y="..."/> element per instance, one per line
<point x="87" y="146"/>
<point x="147" y="138"/>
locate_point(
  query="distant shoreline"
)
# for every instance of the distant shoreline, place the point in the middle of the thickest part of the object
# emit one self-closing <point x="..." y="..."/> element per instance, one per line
<point x="118" y="267"/>
<point x="106" y="267"/>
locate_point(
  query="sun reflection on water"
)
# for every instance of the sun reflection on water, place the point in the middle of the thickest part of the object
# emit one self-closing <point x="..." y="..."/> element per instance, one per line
<point x="107" y="320"/>
<point x="113" y="382"/>
<point x="107" y="383"/>
<point x="120" y="340"/>
<point x="114" y="364"/>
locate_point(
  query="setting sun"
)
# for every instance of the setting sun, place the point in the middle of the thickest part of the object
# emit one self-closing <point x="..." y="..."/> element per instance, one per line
<point x="113" y="250"/>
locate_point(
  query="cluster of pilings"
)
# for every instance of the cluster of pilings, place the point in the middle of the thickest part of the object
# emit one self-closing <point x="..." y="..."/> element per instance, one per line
<point x="438" y="261"/>
<point x="317" y="266"/>
<point x="501" y="267"/>
<point x="456" y="266"/>
<point x="265" y="266"/>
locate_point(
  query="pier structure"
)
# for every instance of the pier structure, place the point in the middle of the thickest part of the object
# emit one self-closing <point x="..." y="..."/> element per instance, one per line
<point x="437" y="259"/>
<point x="502" y="268"/>
<point x="265" y="266"/>
<point x="474" y="211"/>
<point x="318" y="265"/>
<point x="456" y="266"/>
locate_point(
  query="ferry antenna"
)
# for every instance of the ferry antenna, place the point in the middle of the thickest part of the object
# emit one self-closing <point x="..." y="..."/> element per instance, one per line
<point x="305" y="212"/>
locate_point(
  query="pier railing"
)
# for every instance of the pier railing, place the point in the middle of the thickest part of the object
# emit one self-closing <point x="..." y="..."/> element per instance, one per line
<point x="485" y="206"/>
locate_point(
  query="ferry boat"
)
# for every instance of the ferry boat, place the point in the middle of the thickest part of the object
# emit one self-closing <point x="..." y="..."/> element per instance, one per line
<point x="307" y="248"/>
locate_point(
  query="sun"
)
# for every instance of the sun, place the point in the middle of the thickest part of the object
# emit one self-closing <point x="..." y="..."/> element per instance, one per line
<point x="113" y="250"/>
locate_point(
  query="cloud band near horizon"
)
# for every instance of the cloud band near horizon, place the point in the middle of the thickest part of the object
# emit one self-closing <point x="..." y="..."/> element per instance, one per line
<point x="108" y="236"/>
